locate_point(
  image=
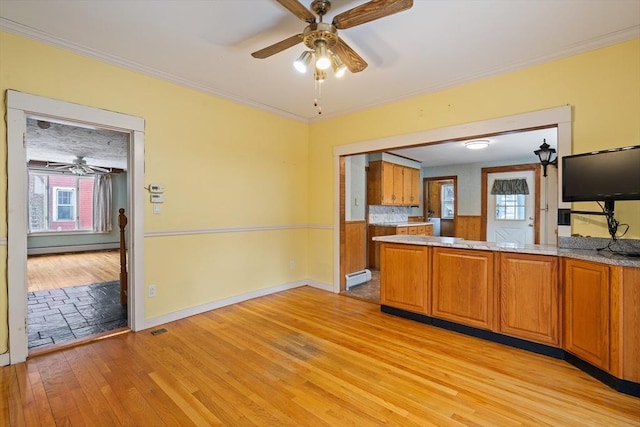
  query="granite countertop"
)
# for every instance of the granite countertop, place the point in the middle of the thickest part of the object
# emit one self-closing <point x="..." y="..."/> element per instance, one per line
<point x="400" y="224"/>
<point x="454" y="242"/>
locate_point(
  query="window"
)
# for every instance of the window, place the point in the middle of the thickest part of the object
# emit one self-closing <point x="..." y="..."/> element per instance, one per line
<point x="510" y="207"/>
<point x="65" y="204"/>
<point x="447" y="199"/>
<point x="60" y="202"/>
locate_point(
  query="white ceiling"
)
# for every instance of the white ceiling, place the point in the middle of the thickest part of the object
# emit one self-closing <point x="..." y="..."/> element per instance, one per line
<point x="206" y="44"/>
<point x="512" y="146"/>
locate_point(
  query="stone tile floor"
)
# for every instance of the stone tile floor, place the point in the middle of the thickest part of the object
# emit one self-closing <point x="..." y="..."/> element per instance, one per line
<point x="62" y="315"/>
<point x="368" y="291"/>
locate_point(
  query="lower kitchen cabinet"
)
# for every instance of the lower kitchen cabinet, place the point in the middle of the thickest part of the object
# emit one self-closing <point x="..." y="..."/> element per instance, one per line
<point x="586" y="310"/>
<point x="529" y="297"/>
<point x="404" y="277"/>
<point x="463" y="286"/>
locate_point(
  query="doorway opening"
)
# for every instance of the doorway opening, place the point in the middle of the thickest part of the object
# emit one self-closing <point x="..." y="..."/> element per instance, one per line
<point x="77" y="183"/>
<point x="505" y="132"/>
<point x="21" y="107"/>
<point x="440" y="195"/>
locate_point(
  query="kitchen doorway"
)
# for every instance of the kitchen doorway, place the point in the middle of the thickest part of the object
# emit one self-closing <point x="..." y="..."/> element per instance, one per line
<point x="441" y="204"/>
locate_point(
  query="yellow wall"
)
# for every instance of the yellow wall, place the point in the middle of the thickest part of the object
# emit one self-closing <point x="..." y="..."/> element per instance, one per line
<point x="227" y="165"/>
<point x="603" y="86"/>
<point x="223" y="165"/>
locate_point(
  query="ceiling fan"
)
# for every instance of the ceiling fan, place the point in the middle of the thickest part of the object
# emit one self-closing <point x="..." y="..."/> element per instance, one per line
<point x="322" y="38"/>
<point x="78" y="167"/>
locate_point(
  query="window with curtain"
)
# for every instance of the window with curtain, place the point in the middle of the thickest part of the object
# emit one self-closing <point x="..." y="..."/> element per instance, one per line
<point x="65" y="203"/>
<point x="510" y="198"/>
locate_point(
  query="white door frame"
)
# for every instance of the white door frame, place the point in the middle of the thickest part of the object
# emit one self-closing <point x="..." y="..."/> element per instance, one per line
<point x="19" y="107"/>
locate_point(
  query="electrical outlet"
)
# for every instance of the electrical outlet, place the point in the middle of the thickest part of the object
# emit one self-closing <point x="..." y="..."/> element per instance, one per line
<point x="292" y="264"/>
<point x="152" y="291"/>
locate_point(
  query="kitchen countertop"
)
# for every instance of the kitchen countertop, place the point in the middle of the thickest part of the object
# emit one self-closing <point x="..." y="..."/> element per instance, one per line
<point x="454" y="242"/>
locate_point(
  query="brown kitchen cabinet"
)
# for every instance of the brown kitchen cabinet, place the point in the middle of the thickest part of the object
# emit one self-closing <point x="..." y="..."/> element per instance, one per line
<point x="386" y="230"/>
<point x="529" y="297"/>
<point x="392" y="184"/>
<point x="404" y="277"/>
<point x="463" y="286"/>
<point x="586" y="309"/>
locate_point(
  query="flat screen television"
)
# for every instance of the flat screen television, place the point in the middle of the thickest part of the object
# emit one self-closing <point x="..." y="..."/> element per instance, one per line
<point x="603" y="176"/>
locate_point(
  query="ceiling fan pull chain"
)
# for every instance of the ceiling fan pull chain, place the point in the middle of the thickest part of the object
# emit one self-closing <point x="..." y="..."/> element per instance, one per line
<point x="316" y="100"/>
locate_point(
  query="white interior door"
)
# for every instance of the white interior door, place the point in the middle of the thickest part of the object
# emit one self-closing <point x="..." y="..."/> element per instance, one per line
<point x="511" y="219"/>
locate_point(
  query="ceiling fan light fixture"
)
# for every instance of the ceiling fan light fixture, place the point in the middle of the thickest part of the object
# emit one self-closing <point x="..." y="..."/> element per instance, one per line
<point x="338" y="66"/>
<point x="323" y="61"/>
<point x="477" y="144"/>
<point x="302" y="63"/>
<point x="320" y="75"/>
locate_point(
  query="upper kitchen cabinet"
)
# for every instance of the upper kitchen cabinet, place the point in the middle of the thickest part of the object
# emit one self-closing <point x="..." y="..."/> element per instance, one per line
<point x="393" y="184"/>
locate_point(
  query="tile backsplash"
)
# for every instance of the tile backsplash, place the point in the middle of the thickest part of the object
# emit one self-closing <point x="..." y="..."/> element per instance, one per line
<point x="383" y="214"/>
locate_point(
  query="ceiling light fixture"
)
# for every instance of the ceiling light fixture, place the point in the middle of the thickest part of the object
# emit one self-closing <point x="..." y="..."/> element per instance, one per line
<point x="477" y="144"/>
<point x="302" y="63"/>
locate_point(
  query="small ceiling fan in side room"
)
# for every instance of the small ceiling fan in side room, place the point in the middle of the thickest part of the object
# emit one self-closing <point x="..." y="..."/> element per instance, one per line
<point x="78" y="167"/>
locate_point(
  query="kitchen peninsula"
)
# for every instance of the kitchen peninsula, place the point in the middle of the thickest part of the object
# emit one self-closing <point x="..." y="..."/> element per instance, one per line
<point x="575" y="305"/>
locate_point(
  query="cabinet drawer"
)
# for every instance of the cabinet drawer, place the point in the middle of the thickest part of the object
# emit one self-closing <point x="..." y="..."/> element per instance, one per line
<point x="413" y="230"/>
<point x="402" y="230"/>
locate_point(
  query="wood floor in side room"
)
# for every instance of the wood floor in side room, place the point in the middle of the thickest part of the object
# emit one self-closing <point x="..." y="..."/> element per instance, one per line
<point x="304" y="357"/>
<point x="58" y="271"/>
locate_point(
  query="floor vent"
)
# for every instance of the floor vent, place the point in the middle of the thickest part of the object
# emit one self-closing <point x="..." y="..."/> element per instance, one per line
<point x="358" y="278"/>
<point x="158" y="331"/>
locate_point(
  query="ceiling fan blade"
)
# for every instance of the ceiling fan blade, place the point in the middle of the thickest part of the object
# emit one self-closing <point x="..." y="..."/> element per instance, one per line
<point x="351" y="59"/>
<point x="99" y="169"/>
<point x="295" y="7"/>
<point x="375" y="9"/>
<point x="277" y="47"/>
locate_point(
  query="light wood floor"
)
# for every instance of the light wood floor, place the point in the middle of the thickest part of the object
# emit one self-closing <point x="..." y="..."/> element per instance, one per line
<point x="63" y="270"/>
<point x="305" y="357"/>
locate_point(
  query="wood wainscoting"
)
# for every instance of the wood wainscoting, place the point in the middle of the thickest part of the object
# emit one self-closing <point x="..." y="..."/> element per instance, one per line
<point x="469" y="227"/>
<point x="355" y="243"/>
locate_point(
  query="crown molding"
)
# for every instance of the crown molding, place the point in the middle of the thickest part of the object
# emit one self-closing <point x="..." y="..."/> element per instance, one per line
<point x="575" y="49"/>
<point x="588" y="45"/>
<point x="41" y="36"/>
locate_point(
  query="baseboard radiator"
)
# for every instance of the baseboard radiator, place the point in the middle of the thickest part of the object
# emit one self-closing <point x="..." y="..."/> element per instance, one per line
<point x="357" y="278"/>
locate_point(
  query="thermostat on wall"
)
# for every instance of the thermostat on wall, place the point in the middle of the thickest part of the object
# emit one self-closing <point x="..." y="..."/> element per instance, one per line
<point x="157" y="198"/>
<point x="156" y="188"/>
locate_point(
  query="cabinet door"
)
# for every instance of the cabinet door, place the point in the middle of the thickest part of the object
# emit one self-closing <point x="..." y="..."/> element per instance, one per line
<point x="404" y="277"/>
<point x="415" y="187"/>
<point x="406" y="186"/>
<point x="586" y="299"/>
<point x="388" y="186"/>
<point x="462" y="286"/>
<point x="398" y="182"/>
<point x="529" y="297"/>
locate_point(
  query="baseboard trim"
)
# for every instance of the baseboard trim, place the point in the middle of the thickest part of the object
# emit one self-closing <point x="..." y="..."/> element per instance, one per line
<point x="73" y="248"/>
<point x="192" y="311"/>
<point x="5" y="359"/>
<point x="618" y="384"/>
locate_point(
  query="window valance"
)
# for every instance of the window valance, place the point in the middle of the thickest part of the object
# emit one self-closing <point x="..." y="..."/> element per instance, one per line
<point x="510" y="186"/>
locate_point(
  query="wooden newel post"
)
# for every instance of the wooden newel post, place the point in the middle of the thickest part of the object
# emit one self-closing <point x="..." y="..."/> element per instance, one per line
<point x="123" y="259"/>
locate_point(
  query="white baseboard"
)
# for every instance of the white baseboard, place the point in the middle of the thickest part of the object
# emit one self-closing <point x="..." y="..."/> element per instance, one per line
<point x="5" y="359"/>
<point x="73" y="248"/>
<point x="177" y="315"/>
